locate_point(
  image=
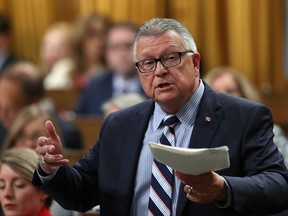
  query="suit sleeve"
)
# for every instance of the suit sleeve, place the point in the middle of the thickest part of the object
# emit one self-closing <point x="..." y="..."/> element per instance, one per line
<point x="263" y="184"/>
<point x="75" y="187"/>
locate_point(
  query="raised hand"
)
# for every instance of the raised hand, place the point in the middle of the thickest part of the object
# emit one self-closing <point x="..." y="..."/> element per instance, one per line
<point x="49" y="150"/>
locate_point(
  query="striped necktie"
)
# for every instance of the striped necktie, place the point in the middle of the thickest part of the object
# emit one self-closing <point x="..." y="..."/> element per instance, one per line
<point x="162" y="178"/>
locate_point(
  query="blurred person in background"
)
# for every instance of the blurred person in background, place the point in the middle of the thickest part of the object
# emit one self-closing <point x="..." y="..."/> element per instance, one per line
<point x="6" y="55"/>
<point x="230" y="81"/>
<point x="18" y="196"/>
<point x="55" y="45"/>
<point x="27" y="127"/>
<point x="121" y="102"/>
<point x="120" y="77"/>
<point x="88" y="48"/>
<point x="22" y="85"/>
<point x="54" y="54"/>
<point x="72" y="55"/>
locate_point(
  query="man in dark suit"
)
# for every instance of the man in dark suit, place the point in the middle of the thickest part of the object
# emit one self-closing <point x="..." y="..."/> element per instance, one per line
<point x="117" y="172"/>
<point x="120" y="77"/>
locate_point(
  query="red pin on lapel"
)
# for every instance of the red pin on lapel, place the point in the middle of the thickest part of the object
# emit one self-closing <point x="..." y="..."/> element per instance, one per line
<point x="207" y="119"/>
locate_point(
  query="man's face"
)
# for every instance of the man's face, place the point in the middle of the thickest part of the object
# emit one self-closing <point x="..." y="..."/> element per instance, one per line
<point x="119" y="52"/>
<point x="170" y="87"/>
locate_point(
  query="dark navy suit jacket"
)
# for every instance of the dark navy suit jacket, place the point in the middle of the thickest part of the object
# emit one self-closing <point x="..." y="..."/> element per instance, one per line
<point x="99" y="90"/>
<point x="257" y="175"/>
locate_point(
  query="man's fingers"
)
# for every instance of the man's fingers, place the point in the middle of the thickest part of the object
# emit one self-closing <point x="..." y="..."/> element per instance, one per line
<point x="51" y="164"/>
<point x="50" y="129"/>
<point x="42" y="150"/>
<point x="51" y="160"/>
<point x="42" y="141"/>
<point x="53" y="138"/>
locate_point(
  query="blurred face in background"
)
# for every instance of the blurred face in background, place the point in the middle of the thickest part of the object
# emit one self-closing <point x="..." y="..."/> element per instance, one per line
<point x="31" y="131"/>
<point x="94" y="40"/>
<point x="119" y="52"/>
<point x="4" y="41"/>
<point x="54" y="48"/>
<point x="12" y="101"/>
<point x="18" y="196"/>
<point x="226" y="83"/>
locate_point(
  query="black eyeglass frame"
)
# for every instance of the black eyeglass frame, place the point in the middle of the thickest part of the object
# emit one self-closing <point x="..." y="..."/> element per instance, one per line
<point x="160" y="59"/>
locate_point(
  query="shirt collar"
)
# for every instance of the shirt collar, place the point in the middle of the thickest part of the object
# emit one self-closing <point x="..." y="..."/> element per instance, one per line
<point x="186" y="114"/>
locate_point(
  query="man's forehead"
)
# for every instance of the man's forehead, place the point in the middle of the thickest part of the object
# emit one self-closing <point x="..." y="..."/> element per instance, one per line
<point x="162" y="43"/>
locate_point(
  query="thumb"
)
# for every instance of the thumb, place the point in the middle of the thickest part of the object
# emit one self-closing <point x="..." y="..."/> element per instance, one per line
<point x="55" y="140"/>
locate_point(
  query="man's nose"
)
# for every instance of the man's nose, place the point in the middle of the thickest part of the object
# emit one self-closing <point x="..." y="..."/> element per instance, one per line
<point x="160" y="69"/>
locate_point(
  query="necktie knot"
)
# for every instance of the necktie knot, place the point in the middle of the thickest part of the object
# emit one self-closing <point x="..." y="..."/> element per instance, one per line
<point x="170" y="120"/>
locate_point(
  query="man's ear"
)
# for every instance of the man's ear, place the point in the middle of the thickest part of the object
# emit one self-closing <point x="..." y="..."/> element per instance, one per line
<point x="196" y="61"/>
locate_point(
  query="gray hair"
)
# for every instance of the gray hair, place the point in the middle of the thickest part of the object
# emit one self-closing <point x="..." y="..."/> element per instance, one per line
<point x="159" y="26"/>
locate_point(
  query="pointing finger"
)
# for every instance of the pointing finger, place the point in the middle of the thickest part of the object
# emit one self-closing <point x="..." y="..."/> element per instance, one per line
<point x="50" y="129"/>
<point x="53" y="137"/>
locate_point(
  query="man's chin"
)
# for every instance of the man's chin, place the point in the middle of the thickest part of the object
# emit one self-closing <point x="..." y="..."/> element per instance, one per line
<point x="165" y="98"/>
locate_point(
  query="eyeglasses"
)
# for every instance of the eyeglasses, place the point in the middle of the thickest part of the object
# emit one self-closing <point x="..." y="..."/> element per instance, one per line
<point x="169" y="60"/>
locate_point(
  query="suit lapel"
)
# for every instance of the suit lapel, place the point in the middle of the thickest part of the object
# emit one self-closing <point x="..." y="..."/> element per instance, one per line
<point x="136" y="128"/>
<point x="206" y="123"/>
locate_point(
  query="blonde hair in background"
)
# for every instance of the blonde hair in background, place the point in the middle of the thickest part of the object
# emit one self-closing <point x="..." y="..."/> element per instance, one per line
<point x="246" y="88"/>
<point x="21" y="160"/>
<point x="65" y="30"/>
<point x="27" y="114"/>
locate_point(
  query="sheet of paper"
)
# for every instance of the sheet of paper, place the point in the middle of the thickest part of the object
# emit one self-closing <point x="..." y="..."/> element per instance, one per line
<point x="191" y="161"/>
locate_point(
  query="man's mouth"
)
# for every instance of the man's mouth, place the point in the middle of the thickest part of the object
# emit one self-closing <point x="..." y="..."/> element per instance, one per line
<point x="163" y="85"/>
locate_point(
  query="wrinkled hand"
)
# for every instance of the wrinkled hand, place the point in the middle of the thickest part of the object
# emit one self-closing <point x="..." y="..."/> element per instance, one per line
<point x="49" y="150"/>
<point x="205" y="188"/>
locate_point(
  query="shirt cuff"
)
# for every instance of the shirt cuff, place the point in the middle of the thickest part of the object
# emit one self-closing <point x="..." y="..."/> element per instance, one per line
<point x="44" y="177"/>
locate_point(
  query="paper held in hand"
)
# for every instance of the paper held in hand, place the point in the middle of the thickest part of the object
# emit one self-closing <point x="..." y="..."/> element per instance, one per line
<point x="189" y="160"/>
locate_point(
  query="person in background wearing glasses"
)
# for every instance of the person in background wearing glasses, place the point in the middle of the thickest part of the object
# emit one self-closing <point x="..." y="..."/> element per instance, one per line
<point x="117" y="172"/>
<point x="28" y="126"/>
<point x="119" y="78"/>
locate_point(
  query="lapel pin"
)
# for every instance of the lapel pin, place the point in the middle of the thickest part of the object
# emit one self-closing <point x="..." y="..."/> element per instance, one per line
<point x="207" y="119"/>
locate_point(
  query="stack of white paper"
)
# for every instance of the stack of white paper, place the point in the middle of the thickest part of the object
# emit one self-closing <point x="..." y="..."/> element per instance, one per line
<point x="191" y="161"/>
